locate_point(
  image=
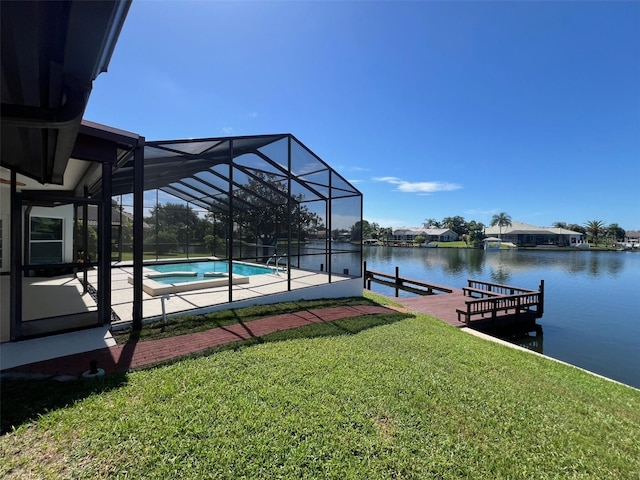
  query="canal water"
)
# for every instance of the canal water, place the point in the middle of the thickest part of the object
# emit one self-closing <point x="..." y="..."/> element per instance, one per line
<point x="592" y="298"/>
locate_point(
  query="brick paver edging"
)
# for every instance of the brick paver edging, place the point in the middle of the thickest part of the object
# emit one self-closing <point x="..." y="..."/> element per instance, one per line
<point x="122" y="358"/>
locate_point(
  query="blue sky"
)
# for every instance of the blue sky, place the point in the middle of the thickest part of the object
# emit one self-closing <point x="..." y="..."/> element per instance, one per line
<point x="432" y="109"/>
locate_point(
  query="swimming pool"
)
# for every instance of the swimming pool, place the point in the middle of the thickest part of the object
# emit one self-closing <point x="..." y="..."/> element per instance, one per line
<point x="186" y="276"/>
<point x="157" y="283"/>
<point x="200" y="269"/>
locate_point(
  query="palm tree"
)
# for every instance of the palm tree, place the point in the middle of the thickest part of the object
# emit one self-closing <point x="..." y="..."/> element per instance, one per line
<point x="501" y="220"/>
<point x="595" y="228"/>
<point x="560" y="225"/>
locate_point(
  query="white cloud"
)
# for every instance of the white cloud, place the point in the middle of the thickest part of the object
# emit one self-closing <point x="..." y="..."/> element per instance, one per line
<point x="227" y="130"/>
<point x="419" y="187"/>
<point x="351" y="169"/>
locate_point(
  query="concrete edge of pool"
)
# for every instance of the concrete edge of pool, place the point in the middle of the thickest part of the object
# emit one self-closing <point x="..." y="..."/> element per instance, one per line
<point x="218" y="279"/>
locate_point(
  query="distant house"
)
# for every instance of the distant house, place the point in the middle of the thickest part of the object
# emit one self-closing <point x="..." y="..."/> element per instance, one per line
<point x="632" y="237"/>
<point x="524" y="234"/>
<point x="409" y="234"/>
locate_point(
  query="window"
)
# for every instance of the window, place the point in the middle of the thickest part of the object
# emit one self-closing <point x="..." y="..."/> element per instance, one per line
<point x="45" y="240"/>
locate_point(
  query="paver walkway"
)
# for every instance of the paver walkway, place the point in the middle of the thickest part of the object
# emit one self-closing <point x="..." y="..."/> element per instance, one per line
<point x="122" y="358"/>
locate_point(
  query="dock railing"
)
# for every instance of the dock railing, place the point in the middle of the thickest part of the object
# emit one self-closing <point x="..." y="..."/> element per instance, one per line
<point x="501" y="299"/>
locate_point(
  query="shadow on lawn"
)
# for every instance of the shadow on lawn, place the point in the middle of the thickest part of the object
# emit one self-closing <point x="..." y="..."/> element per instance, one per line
<point x="185" y="324"/>
<point x="24" y="400"/>
<point x="345" y="326"/>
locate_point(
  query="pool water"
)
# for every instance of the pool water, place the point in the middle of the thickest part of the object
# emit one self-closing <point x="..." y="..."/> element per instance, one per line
<point x="200" y="268"/>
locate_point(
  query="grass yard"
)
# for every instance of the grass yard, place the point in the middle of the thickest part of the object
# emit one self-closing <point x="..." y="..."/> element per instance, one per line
<point x="198" y="323"/>
<point x="380" y="396"/>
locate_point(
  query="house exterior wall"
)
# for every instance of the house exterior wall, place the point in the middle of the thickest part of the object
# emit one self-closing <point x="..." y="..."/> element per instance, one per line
<point x="449" y="236"/>
<point x="541" y="238"/>
<point x="409" y="235"/>
<point x="632" y="237"/>
<point x="525" y="234"/>
<point x="344" y="288"/>
<point x="569" y="239"/>
<point x="64" y="212"/>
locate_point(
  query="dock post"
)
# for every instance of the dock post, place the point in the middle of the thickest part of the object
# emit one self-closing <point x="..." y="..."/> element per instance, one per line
<point x="397" y="279"/>
<point x="541" y="299"/>
<point x="364" y="274"/>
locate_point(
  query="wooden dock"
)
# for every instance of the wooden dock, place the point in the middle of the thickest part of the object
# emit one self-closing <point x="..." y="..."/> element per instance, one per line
<point x="397" y="282"/>
<point x="480" y="305"/>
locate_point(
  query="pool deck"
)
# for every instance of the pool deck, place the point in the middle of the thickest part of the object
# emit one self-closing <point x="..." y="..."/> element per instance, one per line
<point x="62" y="297"/>
<point x="258" y="286"/>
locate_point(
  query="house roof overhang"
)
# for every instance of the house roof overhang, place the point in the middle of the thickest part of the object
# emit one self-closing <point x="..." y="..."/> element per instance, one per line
<point x="51" y="52"/>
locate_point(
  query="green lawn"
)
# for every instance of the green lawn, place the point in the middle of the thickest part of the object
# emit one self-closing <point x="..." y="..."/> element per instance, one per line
<point x="381" y="396"/>
<point x="198" y="323"/>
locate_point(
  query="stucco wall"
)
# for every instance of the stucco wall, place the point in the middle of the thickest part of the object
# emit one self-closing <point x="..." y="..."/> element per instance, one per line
<point x="65" y="212"/>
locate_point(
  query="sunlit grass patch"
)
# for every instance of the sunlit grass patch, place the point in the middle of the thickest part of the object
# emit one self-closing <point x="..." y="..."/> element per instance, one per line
<point x="409" y="398"/>
<point x="185" y="324"/>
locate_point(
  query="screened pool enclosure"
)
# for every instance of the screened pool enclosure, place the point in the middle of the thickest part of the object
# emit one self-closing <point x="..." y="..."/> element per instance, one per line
<point x="243" y="198"/>
<point x="86" y="208"/>
<point x="265" y="200"/>
<point x="92" y="247"/>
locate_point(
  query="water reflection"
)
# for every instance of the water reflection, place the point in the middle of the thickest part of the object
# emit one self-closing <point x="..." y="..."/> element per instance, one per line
<point x="529" y="340"/>
<point x="501" y="275"/>
<point x="503" y="264"/>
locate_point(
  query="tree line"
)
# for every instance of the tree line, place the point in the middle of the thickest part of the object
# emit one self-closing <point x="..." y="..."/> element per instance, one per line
<point x="472" y="232"/>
